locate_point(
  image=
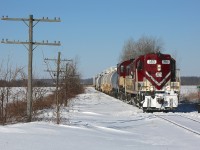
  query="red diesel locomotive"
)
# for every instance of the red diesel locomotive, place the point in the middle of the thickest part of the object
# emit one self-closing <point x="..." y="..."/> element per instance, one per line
<point x="149" y="81"/>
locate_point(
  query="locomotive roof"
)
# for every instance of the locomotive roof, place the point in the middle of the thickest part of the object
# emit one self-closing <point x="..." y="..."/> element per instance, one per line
<point x="126" y="61"/>
<point x="157" y="53"/>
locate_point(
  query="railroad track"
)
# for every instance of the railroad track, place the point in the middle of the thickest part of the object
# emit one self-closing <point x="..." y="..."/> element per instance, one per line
<point x="184" y="122"/>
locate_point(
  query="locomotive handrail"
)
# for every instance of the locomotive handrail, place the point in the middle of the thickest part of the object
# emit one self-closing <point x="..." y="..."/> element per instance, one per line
<point x="136" y="80"/>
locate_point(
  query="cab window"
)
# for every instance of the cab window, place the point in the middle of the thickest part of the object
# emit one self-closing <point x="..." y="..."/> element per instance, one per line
<point x="139" y="65"/>
<point x="128" y="70"/>
<point x="122" y="69"/>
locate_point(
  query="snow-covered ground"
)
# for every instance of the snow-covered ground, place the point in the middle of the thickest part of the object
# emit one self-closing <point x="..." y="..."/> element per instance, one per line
<point x="19" y="93"/>
<point x="95" y="121"/>
<point x="185" y="90"/>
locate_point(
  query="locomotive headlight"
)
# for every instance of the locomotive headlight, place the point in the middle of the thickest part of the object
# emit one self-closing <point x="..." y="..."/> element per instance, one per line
<point x="151" y="88"/>
<point x="167" y="88"/>
<point x="159" y="67"/>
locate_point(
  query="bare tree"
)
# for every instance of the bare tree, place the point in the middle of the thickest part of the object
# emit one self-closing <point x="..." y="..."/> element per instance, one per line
<point x="144" y="45"/>
<point x="71" y="81"/>
<point x="129" y="50"/>
<point x="8" y="75"/>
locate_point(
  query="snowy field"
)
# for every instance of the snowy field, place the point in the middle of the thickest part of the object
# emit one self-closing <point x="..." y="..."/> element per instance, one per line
<point x="185" y="90"/>
<point x="20" y="93"/>
<point x="95" y="121"/>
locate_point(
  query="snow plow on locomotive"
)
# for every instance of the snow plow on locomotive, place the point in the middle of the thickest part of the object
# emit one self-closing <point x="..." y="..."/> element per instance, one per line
<point x="149" y="81"/>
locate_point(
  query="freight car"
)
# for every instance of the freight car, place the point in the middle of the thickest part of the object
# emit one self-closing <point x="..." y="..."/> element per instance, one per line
<point x="150" y="81"/>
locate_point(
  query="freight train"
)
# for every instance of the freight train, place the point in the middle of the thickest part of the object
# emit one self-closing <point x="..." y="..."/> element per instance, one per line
<point x="149" y="81"/>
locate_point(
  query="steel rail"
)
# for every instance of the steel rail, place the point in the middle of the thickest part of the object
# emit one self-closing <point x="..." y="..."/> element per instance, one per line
<point x="179" y="125"/>
<point x="190" y="118"/>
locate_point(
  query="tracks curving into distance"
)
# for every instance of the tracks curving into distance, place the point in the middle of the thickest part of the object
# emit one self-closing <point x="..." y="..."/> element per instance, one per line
<point x="184" y="122"/>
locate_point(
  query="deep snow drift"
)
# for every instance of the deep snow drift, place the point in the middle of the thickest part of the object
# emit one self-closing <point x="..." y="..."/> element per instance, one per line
<point x="95" y="121"/>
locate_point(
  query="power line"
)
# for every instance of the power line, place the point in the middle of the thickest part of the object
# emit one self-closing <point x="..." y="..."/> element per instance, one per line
<point x="30" y="22"/>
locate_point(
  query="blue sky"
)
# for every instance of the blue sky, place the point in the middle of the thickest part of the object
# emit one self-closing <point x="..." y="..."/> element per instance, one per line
<point x="94" y="31"/>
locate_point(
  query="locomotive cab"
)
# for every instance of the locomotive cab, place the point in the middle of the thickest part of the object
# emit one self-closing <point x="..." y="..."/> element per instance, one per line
<point x="122" y="72"/>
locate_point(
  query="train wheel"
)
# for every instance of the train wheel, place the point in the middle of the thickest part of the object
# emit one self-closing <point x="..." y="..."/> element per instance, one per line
<point x="144" y="110"/>
<point x="129" y="99"/>
<point x="123" y="97"/>
<point x="120" y="96"/>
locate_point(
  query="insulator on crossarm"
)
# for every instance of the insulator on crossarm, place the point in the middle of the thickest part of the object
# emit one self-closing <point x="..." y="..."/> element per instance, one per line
<point x="55" y="18"/>
<point x="2" y="40"/>
<point x="2" y="16"/>
<point x="6" y="16"/>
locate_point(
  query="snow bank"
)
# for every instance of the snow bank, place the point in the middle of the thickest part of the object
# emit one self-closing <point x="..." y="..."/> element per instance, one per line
<point x="95" y="121"/>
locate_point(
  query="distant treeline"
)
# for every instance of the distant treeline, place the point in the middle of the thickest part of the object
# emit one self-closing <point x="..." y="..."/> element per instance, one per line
<point x="190" y="80"/>
<point x="23" y="83"/>
<point x="89" y="81"/>
<point x="184" y="81"/>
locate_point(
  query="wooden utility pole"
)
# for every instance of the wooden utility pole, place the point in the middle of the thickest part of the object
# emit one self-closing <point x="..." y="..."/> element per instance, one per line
<point x="57" y="82"/>
<point x="58" y="71"/>
<point x="30" y="24"/>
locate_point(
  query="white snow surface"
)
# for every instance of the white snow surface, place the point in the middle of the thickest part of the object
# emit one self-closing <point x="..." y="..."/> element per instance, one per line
<point x="20" y="93"/>
<point x="96" y="121"/>
<point x="187" y="89"/>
